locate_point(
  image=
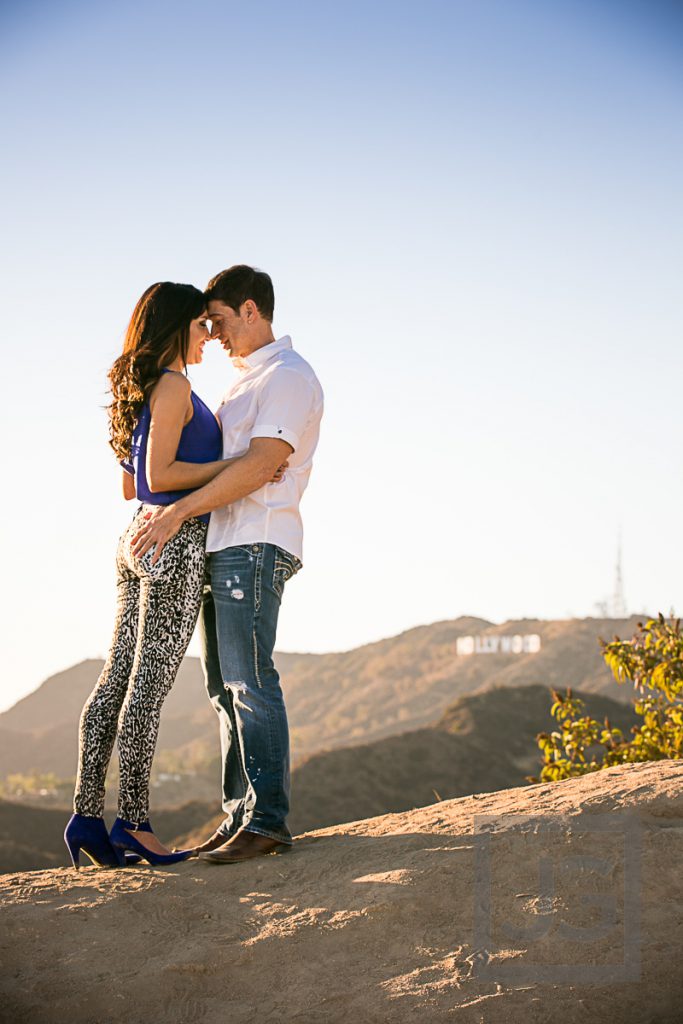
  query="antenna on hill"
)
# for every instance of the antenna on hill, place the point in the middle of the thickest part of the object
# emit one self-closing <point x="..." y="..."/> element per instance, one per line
<point x="619" y="608"/>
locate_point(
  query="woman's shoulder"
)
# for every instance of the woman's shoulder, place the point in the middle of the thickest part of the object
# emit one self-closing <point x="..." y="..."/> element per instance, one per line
<point x="174" y="379"/>
<point x="172" y="386"/>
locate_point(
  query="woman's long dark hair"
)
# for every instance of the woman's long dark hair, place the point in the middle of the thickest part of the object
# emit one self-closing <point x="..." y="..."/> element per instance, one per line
<point x="158" y="332"/>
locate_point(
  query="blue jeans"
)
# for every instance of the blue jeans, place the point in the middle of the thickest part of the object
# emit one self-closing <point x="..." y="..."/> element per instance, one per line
<point x="238" y="621"/>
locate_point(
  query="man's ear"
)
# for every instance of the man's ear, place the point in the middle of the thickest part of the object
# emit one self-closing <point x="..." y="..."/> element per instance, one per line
<point x="249" y="311"/>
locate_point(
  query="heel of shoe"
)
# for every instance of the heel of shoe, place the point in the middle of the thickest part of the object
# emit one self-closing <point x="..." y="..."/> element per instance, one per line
<point x="74" y="852"/>
<point x="89" y="835"/>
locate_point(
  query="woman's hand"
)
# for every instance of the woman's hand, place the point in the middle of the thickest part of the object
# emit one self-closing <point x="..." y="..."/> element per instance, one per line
<point x="279" y="473"/>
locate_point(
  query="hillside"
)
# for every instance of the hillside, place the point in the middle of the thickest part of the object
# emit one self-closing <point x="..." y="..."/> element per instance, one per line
<point x="333" y="700"/>
<point x="483" y="742"/>
<point x="430" y="914"/>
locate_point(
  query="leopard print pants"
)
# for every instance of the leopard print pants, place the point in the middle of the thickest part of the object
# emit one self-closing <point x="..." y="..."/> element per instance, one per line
<point x="157" y="609"/>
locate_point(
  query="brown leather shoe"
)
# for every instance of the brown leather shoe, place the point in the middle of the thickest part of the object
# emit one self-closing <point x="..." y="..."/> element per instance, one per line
<point x="212" y="843"/>
<point x="243" y="846"/>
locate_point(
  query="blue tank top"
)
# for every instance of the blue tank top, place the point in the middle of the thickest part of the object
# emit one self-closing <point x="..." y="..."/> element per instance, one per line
<point x="200" y="441"/>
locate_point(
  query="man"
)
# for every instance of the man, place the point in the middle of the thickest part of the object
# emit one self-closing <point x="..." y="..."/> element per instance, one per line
<point x="270" y="415"/>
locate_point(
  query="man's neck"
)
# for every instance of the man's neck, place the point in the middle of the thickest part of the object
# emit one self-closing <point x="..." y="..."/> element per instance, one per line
<point x="259" y="340"/>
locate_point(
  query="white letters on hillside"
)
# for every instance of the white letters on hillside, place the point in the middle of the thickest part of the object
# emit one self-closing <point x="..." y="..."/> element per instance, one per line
<point x="518" y="644"/>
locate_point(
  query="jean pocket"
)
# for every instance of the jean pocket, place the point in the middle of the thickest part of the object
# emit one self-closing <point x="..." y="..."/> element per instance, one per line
<point x="284" y="567"/>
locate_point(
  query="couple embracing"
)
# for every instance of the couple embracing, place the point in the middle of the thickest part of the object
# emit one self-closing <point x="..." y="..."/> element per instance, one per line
<point x="217" y="535"/>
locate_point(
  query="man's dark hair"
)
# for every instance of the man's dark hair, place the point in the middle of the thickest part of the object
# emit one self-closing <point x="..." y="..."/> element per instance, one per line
<point x="237" y="284"/>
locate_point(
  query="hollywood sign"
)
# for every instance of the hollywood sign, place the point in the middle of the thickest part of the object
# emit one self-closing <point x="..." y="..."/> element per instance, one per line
<point x="518" y="644"/>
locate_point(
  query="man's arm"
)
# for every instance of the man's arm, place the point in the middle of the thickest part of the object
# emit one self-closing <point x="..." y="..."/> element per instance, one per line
<point x="243" y="476"/>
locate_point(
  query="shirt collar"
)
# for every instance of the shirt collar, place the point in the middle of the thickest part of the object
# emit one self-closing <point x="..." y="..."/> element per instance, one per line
<point x="262" y="355"/>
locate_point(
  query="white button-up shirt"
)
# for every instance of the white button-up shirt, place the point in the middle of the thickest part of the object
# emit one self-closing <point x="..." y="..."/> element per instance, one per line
<point x="276" y="395"/>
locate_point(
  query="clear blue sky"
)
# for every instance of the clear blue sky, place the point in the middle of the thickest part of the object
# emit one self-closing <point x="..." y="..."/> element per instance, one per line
<point x="472" y="215"/>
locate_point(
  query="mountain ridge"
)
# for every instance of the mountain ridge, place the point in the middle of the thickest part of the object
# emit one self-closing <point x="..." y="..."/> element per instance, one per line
<point x="333" y="700"/>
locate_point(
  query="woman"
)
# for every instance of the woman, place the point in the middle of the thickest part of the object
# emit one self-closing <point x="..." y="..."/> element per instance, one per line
<point x="168" y="443"/>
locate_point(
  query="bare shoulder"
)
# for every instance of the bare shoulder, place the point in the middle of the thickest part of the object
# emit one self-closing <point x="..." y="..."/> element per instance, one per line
<point x="171" y="388"/>
<point x="173" y="382"/>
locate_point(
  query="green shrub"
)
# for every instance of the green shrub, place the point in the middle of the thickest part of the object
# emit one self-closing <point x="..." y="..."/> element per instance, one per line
<point x="653" y="662"/>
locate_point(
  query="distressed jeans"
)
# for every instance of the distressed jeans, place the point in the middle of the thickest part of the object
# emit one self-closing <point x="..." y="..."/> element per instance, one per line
<point x="238" y="621"/>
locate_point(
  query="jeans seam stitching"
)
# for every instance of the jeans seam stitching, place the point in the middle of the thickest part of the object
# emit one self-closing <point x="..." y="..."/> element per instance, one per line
<point x="257" y="580"/>
<point x="254" y="644"/>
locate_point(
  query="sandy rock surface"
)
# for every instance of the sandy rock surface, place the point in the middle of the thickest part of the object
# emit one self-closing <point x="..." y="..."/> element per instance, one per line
<point x="548" y="903"/>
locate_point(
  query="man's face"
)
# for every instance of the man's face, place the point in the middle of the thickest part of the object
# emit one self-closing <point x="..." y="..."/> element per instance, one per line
<point x="226" y="325"/>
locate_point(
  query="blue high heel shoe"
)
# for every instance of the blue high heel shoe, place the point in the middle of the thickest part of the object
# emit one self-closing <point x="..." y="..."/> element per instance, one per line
<point x="122" y="840"/>
<point x="90" y="836"/>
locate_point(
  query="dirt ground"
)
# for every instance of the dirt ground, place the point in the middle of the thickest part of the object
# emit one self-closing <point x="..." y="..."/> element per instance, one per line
<point x="546" y="903"/>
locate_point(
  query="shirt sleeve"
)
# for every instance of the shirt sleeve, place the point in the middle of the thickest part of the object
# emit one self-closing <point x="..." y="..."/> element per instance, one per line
<point x="127" y="466"/>
<point x="285" y="406"/>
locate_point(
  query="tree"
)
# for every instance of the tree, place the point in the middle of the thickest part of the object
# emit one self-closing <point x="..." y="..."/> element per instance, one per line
<point x="653" y="661"/>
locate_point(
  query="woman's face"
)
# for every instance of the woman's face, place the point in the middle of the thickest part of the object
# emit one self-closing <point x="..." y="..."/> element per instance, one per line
<point x="199" y="335"/>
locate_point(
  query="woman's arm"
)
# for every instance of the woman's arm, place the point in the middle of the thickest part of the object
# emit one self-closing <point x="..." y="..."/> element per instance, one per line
<point x="171" y="408"/>
<point x="128" y="485"/>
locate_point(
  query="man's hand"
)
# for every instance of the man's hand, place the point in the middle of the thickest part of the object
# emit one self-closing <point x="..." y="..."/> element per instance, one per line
<point x="158" y="529"/>
<point x="279" y="473"/>
<point x="160" y="526"/>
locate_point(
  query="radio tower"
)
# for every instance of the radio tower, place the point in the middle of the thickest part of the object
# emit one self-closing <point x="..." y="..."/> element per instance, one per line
<point x="619" y="610"/>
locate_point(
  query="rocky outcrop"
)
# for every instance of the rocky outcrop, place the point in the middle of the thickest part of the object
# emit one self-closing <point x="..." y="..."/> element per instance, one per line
<point x="549" y="903"/>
